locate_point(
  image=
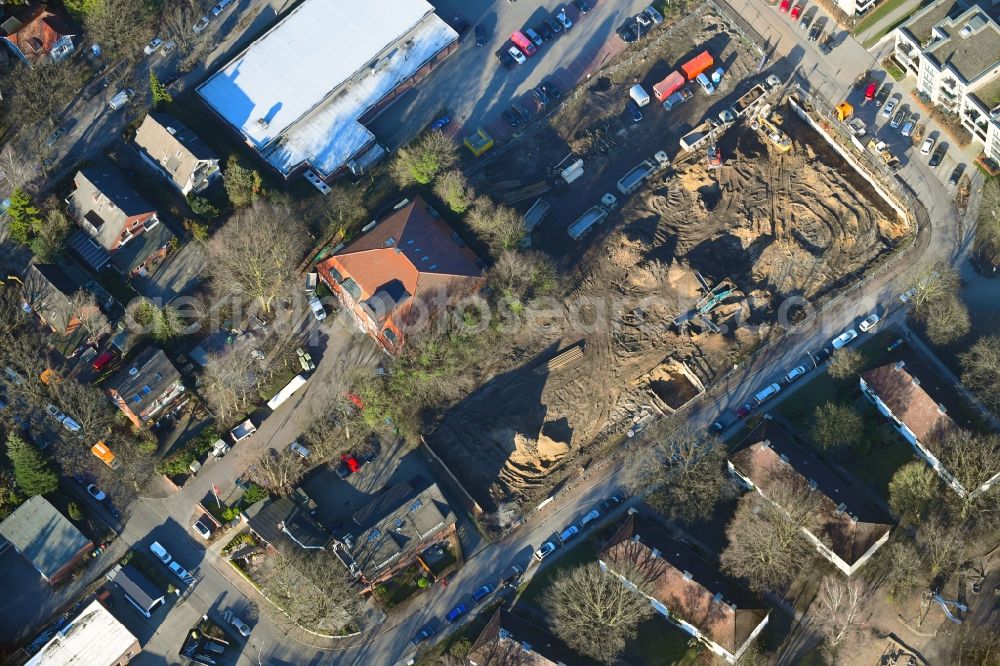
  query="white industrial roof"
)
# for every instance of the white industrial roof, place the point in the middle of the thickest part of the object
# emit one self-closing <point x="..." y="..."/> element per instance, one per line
<point x="286" y="76"/>
<point x="93" y="637"/>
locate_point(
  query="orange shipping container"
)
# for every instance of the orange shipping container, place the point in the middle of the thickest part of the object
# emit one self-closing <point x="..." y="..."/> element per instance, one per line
<point x="668" y="86"/>
<point x="697" y="65"/>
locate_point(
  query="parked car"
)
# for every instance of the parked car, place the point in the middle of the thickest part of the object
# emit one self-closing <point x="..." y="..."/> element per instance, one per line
<point x="870" y="90"/>
<point x="200" y="25"/>
<point x="317" y="308"/>
<point x="522" y="112"/>
<point x="783" y="7"/>
<point x="483" y="592"/>
<point x="510" y="576"/>
<point x="795" y="373"/>
<point x="480" y="35"/>
<point x="796" y="11"/>
<point x="545" y="31"/>
<point x="555" y="26"/>
<point x="102" y="360"/>
<point x="633" y="110"/>
<point x="56" y="135"/>
<point x="806" y="21"/>
<point x="590" y="517"/>
<point x="898" y="119"/>
<point x="822" y="355"/>
<point x="956" y="174"/>
<point x="455" y="613"/>
<point x="869" y="322"/>
<point x="717" y="427"/>
<point x="826" y="44"/>
<point x="441" y="122"/>
<point x="512" y="118"/>
<point x="298" y="449"/>
<point x="844" y="338"/>
<point x="96" y="492"/>
<point x="767" y="393"/>
<point x="538" y="92"/>
<point x="535" y="38"/>
<point x="551" y="90"/>
<point x="241" y="626"/>
<point x="654" y="15"/>
<point x="936" y="158"/>
<point x="506" y="60"/>
<point x="907" y="128"/>
<point x="153" y="46"/>
<point x="425" y="632"/>
<point x="160" y="552"/>
<point x="569" y="533"/>
<point x="178" y="570"/>
<point x="925" y="147"/>
<point x="516" y="54"/>
<point x="583" y="5"/>
<point x="220" y="7"/>
<point x="816" y="31"/>
<point x="889" y="107"/>
<point x="743" y="410"/>
<point x="547" y="549"/>
<point x="628" y="31"/>
<point x="348" y="465"/>
<point x="882" y="95"/>
<point x="563" y="19"/>
<point x="201" y="527"/>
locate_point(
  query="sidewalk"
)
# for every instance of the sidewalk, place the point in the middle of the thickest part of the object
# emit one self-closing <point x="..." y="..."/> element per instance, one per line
<point x="888" y="21"/>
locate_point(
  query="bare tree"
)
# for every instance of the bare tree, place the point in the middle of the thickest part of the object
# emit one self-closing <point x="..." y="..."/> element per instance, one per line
<point x="309" y="586"/>
<point x="946" y="319"/>
<point x="523" y="276"/>
<point x="975" y="646"/>
<point x="837" y="609"/>
<point x="344" y="209"/>
<point x="981" y="370"/>
<point x="87" y="405"/>
<point x="453" y="188"/>
<point x="499" y="226"/>
<point x="934" y="284"/>
<point x="902" y="568"/>
<point x="765" y="547"/>
<point x="232" y="380"/>
<point x="837" y="426"/>
<point x="121" y="27"/>
<point x="278" y="471"/>
<point x="16" y="169"/>
<point x="988" y="224"/>
<point x="845" y="363"/>
<point x="972" y="458"/>
<point x="256" y="252"/>
<point x="914" y="488"/>
<point x="83" y="306"/>
<point x="499" y="649"/>
<point x="941" y="543"/>
<point x="176" y="24"/>
<point x="594" y="612"/>
<point x="683" y="470"/>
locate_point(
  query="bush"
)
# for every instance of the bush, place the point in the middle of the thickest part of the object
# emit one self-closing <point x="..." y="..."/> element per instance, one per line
<point x="253" y="494"/>
<point x="422" y="582"/>
<point x="460" y="648"/>
<point x="74" y="511"/>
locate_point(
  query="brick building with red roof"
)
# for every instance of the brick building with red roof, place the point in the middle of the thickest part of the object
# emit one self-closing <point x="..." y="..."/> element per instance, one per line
<point x="402" y="273"/>
<point x="37" y="33"/>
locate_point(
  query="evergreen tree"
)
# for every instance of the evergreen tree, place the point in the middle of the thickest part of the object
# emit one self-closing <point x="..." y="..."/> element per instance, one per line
<point x="160" y="94"/>
<point x="32" y="471"/>
<point x="25" y="217"/>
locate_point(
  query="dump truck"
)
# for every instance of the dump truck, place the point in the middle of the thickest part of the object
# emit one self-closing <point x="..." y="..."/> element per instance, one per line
<point x="744" y="105"/>
<point x="242" y="431"/>
<point x="587" y="221"/>
<point x="668" y="86"/>
<point x="881" y="150"/>
<point x="696" y="65"/>
<point x="101" y="450"/>
<point x="631" y="181"/>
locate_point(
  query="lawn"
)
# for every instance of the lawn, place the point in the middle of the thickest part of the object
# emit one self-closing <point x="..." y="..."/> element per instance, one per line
<point x="877" y="14"/>
<point x="582" y="553"/>
<point x="658" y="643"/>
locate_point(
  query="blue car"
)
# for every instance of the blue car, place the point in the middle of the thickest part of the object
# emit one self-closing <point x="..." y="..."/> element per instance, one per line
<point x="422" y="635"/>
<point x="440" y="123"/>
<point x="482" y="592"/>
<point x="455" y="613"/>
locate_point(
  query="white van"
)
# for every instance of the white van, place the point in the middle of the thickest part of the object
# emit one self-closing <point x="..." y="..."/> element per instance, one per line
<point x="120" y="99"/>
<point x="767" y="393"/>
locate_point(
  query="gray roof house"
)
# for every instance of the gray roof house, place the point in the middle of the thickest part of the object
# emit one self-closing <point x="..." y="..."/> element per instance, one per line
<point x="145" y="386"/>
<point x="115" y="219"/>
<point x="45" y="538"/>
<point x="48" y="289"/>
<point x="176" y="153"/>
<point x="139" y="590"/>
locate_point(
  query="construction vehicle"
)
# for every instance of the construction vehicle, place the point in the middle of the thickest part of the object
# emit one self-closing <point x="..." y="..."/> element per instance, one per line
<point x="762" y="122"/>
<point x="881" y="150"/>
<point x="712" y="298"/>
<point x="843" y="111"/>
<point x="714" y="157"/>
<point x="101" y="450"/>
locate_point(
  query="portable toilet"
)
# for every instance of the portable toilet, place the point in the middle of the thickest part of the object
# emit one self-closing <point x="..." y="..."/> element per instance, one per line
<point x="639" y="94"/>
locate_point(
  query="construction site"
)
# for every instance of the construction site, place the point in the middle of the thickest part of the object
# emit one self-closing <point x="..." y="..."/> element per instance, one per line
<point x="681" y="232"/>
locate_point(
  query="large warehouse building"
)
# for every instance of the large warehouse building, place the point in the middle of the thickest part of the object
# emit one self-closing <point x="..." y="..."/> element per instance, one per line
<point x="300" y="94"/>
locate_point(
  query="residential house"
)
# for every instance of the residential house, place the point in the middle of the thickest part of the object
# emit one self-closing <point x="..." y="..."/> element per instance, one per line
<point x="283" y="522"/>
<point x="952" y="47"/>
<point x="683" y="588"/>
<point x="394" y="528"/>
<point x="119" y="226"/>
<point x="94" y="637"/>
<point x="46" y="538"/>
<point x="922" y="408"/>
<point x="138" y="590"/>
<point x="509" y="640"/>
<point x="843" y="525"/>
<point x="36" y="33"/>
<point x="50" y="292"/>
<point x="176" y="153"/>
<point x="146" y="386"/>
<point x="402" y="273"/>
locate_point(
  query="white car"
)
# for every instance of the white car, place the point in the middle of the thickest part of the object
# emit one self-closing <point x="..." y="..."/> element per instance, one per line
<point x="562" y="18"/>
<point x="219" y="8"/>
<point x="844" y="338"/>
<point x="200" y="25"/>
<point x="201" y="528"/>
<point x="869" y="322"/>
<point x="160" y="552"/>
<point x="795" y="373"/>
<point x="299" y="449"/>
<point x="66" y="421"/>
<point x="96" y="492"/>
<point x="516" y="54"/>
<point x="907" y="295"/>
<point x="889" y="107"/>
<point x="241" y="626"/>
<point x="773" y="81"/>
<point x="925" y="147"/>
<point x="179" y="571"/>
<point x="547" y="549"/>
<point x="153" y="46"/>
<point x="317" y="308"/>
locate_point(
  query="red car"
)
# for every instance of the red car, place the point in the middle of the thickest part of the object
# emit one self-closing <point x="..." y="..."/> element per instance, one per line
<point x="796" y="10"/>
<point x="102" y="360"/>
<point x="348" y="465"/>
<point x="743" y="410"/>
<point x="870" y="91"/>
<point x="783" y="7"/>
